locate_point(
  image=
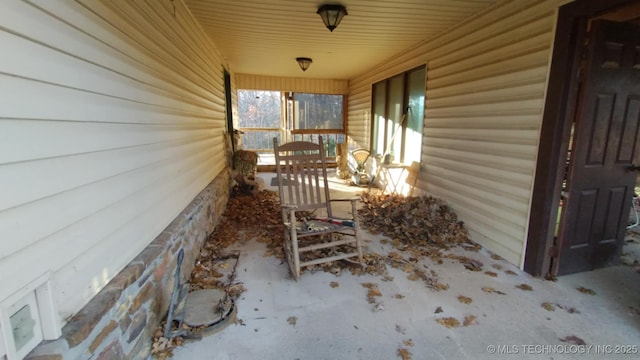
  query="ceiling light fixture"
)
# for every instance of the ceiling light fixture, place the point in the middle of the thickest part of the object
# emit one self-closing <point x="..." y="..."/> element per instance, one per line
<point x="332" y="14"/>
<point x="304" y="63"/>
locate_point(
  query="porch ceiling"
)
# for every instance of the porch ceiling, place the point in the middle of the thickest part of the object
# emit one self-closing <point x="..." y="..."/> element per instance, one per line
<point x="264" y="37"/>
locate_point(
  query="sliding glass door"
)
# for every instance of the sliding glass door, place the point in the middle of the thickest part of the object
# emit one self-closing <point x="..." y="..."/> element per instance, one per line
<point x="398" y="112"/>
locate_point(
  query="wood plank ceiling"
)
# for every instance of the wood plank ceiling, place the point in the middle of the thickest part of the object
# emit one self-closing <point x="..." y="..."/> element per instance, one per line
<point x="264" y="37"/>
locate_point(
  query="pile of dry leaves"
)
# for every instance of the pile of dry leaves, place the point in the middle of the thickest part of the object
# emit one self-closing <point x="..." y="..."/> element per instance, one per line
<point x="247" y="217"/>
<point x="424" y="220"/>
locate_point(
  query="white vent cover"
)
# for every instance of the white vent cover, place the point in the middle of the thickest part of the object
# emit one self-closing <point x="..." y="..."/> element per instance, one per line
<point x="27" y="317"/>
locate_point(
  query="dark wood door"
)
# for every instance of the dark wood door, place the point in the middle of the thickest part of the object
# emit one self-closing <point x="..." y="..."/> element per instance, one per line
<point x="600" y="178"/>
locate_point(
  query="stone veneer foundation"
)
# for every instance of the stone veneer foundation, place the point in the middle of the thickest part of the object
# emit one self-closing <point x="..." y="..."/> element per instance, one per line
<point x="119" y="322"/>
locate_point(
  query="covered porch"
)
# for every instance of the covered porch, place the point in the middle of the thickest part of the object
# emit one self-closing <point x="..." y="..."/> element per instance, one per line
<point x="483" y="308"/>
<point x="116" y="150"/>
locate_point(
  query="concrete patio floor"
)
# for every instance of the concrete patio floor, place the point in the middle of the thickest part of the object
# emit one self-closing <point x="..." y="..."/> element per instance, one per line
<point x="324" y="316"/>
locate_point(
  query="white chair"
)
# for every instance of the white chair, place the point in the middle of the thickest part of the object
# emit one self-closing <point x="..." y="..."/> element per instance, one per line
<point x="304" y="191"/>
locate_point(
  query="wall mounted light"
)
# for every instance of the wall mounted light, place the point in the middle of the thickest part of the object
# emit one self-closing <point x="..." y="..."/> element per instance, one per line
<point x="304" y="63"/>
<point x="331" y="15"/>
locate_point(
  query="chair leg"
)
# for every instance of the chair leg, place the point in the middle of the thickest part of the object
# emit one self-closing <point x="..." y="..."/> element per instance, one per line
<point x="287" y="249"/>
<point x="294" y="246"/>
<point x="356" y="227"/>
<point x="296" y="254"/>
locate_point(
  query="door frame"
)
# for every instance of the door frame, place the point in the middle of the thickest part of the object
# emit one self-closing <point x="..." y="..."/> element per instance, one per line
<point x="228" y="99"/>
<point x="559" y="106"/>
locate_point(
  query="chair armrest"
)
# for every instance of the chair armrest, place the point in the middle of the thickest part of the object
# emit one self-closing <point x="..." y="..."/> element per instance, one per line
<point x="290" y="207"/>
<point x="351" y="199"/>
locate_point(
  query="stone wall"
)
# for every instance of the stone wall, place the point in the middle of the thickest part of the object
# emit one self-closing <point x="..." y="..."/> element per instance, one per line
<point x="119" y="322"/>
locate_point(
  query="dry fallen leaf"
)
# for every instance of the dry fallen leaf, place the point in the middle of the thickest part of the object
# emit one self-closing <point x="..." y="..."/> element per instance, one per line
<point x="441" y="286"/>
<point x="496" y="257"/>
<point x="292" y="320"/>
<point x="235" y="290"/>
<point x="548" y="306"/>
<point x="372" y="293"/>
<point x="570" y="310"/>
<point x="408" y="268"/>
<point x="510" y="272"/>
<point x="408" y="342"/>
<point x="178" y="341"/>
<point x="470" y="320"/>
<point x="449" y="322"/>
<point x="399" y="296"/>
<point x="491" y="273"/>
<point x="438" y="310"/>
<point x="334" y="284"/>
<point x="430" y="279"/>
<point x="161" y="344"/>
<point x="584" y="290"/>
<point x="524" y="287"/>
<point x="162" y="348"/>
<point x="470" y="264"/>
<point x="490" y="290"/>
<point x="465" y="300"/>
<point x="573" y="340"/>
<point x="404" y="354"/>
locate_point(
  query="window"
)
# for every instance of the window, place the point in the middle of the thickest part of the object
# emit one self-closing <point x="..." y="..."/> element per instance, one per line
<point x="398" y="113"/>
<point x="263" y="115"/>
<point x="317" y="111"/>
<point x="260" y="118"/>
<point x="312" y="115"/>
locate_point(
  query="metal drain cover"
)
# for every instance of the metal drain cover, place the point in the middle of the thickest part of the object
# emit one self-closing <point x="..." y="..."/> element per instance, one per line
<point x="202" y="310"/>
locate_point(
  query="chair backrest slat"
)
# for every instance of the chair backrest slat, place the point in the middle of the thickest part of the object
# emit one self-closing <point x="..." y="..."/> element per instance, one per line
<point x="302" y="174"/>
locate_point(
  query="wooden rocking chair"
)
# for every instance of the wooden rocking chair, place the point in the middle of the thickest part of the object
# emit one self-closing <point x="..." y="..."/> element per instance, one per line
<point x="312" y="234"/>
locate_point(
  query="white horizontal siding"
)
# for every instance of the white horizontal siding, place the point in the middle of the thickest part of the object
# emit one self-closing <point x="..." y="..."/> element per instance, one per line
<point x="112" y="118"/>
<point x="486" y="81"/>
<point x="503" y="66"/>
<point x="274" y="83"/>
<point x="359" y="115"/>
